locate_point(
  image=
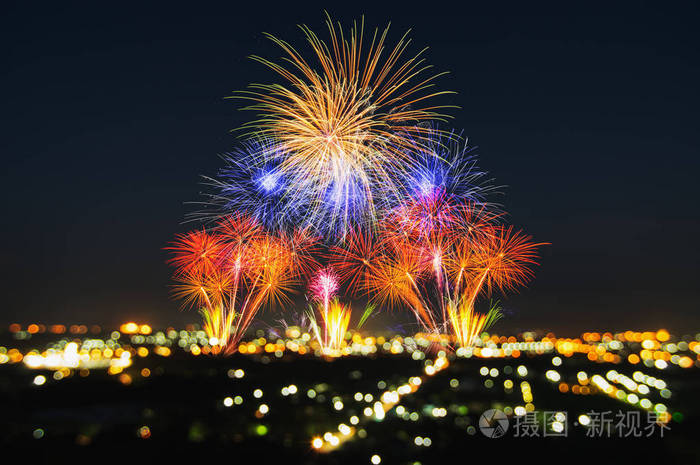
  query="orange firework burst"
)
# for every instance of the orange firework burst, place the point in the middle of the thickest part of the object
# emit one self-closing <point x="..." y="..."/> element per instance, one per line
<point x="437" y="259"/>
<point x="230" y="273"/>
<point x="303" y="247"/>
<point x="503" y="258"/>
<point x="355" y="259"/>
<point x="347" y="127"/>
<point x="196" y="252"/>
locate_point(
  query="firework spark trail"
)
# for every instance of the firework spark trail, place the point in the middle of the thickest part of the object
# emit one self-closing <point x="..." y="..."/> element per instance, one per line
<point x="336" y="320"/>
<point x="466" y="324"/>
<point x="324" y="286"/>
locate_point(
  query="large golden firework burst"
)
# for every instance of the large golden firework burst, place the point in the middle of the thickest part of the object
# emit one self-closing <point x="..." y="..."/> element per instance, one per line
<point x="346" y="122"/>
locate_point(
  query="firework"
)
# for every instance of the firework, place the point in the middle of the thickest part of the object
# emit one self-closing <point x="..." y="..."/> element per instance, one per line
<point x="443" y="163"/>
<point x="347" y="128"/>
<point x="253" y="183"/>
<point x="355" y="259"/>
<point x="323" y="287"/>
<point x="344" y="167"/>
<point x="335" y="319"/>
<point x="466" y="324"/>
<point x="196" y="253"/>
<point x="436" y="258"/>
<point x="304" y="249"/>
<point x="233" y="271"/>
<point x="217" y="324"/>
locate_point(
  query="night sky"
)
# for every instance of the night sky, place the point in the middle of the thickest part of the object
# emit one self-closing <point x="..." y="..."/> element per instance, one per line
<point x="588" y="116"/>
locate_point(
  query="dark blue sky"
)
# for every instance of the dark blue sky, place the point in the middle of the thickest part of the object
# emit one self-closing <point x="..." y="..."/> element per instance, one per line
<point x="588" y="114"/>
